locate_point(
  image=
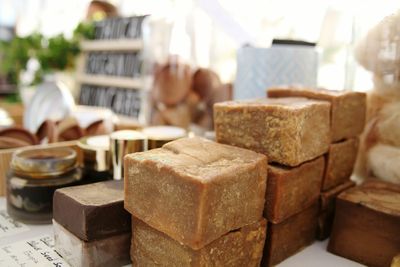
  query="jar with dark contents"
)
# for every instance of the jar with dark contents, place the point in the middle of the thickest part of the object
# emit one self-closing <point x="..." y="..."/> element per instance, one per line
<point x="34" y="176"/>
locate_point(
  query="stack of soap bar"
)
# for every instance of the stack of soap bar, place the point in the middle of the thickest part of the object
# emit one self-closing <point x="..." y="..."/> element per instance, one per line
<point x="236" y="248"/>
<point x="327" y="209"/>
<point x="348" y="111"/>
<point x="366" y="228"/>
<point x="348" y="108"/>
<point x="294" y="133"/>
<point x="90" y="224"/>
<point x="289" y="131"/>
<point x="196" y="192"/>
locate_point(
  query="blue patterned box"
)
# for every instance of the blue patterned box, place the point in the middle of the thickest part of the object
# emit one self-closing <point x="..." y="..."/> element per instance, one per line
<point x="260" y="68"/>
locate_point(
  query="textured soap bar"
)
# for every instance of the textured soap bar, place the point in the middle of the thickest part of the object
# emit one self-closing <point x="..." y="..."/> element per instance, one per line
<point x="289" y="131"/>
<point x="195" y="190"/>
<point x="340" y="162"/>
<point x="290" y="236"/>
<point x="92" y="211"/>
<point x="107" y="252"/>
<point x="242" y="247"/>
<point x="366" y="228"/>
<point x="291" y="190"/>
<point x="348" y="108"/>
<point x="327" y="209"/>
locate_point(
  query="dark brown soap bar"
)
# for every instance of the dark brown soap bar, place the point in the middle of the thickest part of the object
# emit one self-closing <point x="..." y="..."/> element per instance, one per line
<point x="340" y="161"/>
<point x="242" y="247"/>
<point x="327" y="209"/>
<point x="92" y="211"/>
<point x="366" y="228"/>
<point x="348" y="109"/>
<point x="291" y="190"/>
<point x="290" y="236"/>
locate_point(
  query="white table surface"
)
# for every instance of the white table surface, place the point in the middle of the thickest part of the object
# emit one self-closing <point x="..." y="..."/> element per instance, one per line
<point x="312" y="256"/>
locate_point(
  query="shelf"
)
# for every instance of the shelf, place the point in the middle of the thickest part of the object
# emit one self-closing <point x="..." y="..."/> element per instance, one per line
<point x="112" y="81"/>
<point x="112" y="45"/>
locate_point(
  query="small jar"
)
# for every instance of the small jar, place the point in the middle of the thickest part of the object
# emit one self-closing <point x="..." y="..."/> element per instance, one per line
<point x="34" y="176"/>
<point x="122" y="143"/>
<point x="96" y="160"/>
<point x="159" y="135"/>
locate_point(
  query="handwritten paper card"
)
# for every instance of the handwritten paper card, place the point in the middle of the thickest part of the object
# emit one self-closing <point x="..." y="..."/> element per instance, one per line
<point x="9" y="226"/>
<point x="37" y="251"/>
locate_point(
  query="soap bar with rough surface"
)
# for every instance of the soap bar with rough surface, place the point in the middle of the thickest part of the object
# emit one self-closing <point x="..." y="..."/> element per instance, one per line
<point x="92" y="211"/>
<point x="242" y="247"/>
<point x="112" y="251"/>
<point x="348" y="109"/>
<point x="290" y="236"/>
<point x="291" y="190"/>
<point x="195" y="190"/>
<point x="327" y="209"/>
<point x="289" y="131"/>
<point x="340" y="161"/>
<point x="366" y="228"/>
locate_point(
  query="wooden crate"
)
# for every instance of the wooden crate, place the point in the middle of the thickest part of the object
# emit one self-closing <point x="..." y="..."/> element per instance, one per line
<point x="6" y="154"/>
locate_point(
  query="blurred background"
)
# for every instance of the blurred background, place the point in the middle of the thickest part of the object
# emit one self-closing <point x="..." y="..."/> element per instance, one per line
<point x="216" y="29"/>
<point x="42" y="38"/>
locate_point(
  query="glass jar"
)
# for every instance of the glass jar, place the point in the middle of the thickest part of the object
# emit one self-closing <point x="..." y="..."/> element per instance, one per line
<point x="34" y="176"/>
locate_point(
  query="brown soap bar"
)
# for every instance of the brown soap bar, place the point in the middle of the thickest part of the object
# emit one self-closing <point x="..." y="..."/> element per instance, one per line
<point x="291" y="190"/>
<point x="195" y="190"/>
<point x="242" y="247"/>
<point x="290" y="236"/>
<point x="92" y="211"/>
<point x="348" y="108"/>
<point x="328" y="198"/>
<point x="289" y="131"/>
<point x="366" y="228"/>
<point x="327" y="209"/>
<point x="112" y="251"/>
<point x="340" y="162"/>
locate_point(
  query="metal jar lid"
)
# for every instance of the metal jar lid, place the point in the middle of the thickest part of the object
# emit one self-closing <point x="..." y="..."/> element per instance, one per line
<point x="122" y="143"/>
<point x="96" y="152"/>
<point x="159" y="135"/>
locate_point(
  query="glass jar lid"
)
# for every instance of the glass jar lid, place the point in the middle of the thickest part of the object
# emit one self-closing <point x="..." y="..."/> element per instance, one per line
<point x="43" y="162"/>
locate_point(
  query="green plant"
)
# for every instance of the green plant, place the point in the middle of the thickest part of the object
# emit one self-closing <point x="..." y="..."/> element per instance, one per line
<point x="55" y="53"/>
<point x="15" y="54"/>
